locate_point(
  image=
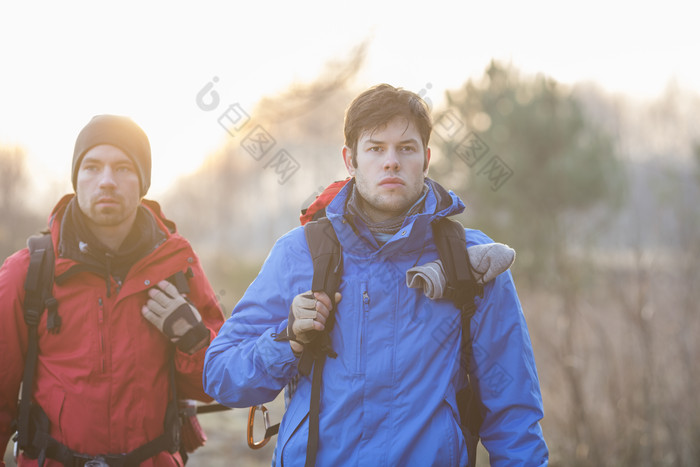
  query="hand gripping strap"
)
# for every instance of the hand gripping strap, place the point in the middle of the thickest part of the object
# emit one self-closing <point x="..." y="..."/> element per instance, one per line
<point x="327" y="257"/>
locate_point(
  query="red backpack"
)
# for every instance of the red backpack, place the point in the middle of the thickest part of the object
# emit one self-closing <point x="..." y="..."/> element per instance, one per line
<point x="317" y="209"/>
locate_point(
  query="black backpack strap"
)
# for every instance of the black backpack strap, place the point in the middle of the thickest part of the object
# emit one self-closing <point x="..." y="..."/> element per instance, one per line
<point x="327" y="257"/>
<point x="38" y="287"/>
<point x="180" y="280"/>
<point x="452" y="249"/>
<point x="462" y="289"/>
<point x="38" y="284"/>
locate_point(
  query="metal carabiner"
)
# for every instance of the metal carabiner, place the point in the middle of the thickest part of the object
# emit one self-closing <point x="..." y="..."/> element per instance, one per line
<point x="251" y="421"/>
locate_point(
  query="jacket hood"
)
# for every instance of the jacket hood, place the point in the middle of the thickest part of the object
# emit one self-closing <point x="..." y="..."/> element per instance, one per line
<point x="162" y="228"/>
<point x="447" y="203"/>
<point x="439" y="203"/>
<point x="59" y="210"/>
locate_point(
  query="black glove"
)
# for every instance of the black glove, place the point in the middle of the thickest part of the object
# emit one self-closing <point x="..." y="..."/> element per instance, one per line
<point x="175" y="317"/>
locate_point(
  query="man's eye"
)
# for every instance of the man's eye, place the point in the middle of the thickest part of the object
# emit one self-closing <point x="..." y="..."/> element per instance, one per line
<point x="375" y="149"/>
<point x="407" y="149"/>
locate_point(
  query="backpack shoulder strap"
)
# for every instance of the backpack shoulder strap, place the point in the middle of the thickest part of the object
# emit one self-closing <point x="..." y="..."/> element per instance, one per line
<point x="327" y="257"/>
<point x="452" y="249"/>
<point x="39" y="280"/>
<point x="462" y="289"/>
<point x="38" y="296"/>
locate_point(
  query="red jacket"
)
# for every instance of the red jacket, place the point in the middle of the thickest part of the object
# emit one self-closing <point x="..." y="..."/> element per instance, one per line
<point x="103" y="380"/>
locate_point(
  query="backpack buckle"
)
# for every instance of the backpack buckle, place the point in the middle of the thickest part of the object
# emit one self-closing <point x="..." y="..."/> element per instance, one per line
<point x="469" y="309"/>
<point x="450" y="293"/>
<point x="98" y="461"/>
<point x="32" y="316"/>
<point x="53" y="320"/>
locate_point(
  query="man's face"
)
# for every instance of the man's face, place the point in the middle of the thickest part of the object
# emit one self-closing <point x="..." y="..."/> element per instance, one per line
<point x="391" y="168"/>
<point x="108" y="187"/>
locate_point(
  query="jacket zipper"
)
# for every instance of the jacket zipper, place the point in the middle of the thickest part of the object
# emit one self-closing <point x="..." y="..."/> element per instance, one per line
<point x="100" y="327"/>
<point x="363" y="326"/>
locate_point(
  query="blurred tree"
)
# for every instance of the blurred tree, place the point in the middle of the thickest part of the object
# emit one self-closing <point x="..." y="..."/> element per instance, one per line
<point x="673" y="409"/>
<point x="302" y="98"/>
<point x="17" y="220"/>
<point x="533" y="168"/>
<point x="12" y="176"/>
<point x="528" y="161"/>
<point x="696" y="157"/>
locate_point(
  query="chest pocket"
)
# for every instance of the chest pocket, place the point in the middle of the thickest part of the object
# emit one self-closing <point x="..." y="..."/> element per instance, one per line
<point x="349" y="333"/>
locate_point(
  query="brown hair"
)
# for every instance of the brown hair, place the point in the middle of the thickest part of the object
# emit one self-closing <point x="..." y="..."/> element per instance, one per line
<point x="380" y="104"/>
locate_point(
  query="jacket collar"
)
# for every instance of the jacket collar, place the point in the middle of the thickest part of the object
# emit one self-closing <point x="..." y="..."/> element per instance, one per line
<point x="413" y="234"/>
<point x="161" y="226"/>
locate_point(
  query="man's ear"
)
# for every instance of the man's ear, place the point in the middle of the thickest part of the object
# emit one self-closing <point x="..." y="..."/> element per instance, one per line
<point x="347" y="158"/>
<point x="427" y="162"/>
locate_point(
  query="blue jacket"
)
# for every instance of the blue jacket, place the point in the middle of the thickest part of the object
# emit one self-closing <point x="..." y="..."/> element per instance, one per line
<point x="388" y="399"/>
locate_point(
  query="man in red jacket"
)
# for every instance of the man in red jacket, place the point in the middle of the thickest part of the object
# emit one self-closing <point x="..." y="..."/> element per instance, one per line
<point x="121" y="333"/>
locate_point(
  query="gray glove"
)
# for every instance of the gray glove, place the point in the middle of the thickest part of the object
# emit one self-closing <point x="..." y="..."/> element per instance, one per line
<point x="430" y="276"/>
<point x="302" y="314"/>
<point x="488" y="261"/>
<point x="175" y="317"/>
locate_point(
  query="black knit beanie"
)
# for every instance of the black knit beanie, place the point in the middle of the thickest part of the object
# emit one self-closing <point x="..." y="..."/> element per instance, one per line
<point x="117" y="131"/>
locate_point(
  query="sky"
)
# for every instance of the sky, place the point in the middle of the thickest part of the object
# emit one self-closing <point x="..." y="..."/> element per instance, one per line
<point x="63" y="62"/>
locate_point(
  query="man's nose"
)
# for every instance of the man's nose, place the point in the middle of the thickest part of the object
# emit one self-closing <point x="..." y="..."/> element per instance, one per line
<point x="107" y="177"/>
<point x="391" y="160"/>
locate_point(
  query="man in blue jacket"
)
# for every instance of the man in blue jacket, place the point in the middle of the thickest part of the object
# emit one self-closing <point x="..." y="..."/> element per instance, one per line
<point x="389" y="397"/>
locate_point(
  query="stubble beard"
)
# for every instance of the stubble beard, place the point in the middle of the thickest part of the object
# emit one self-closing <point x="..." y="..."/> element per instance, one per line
<point x="106" y="216"/>
<point x="389" y="204"/>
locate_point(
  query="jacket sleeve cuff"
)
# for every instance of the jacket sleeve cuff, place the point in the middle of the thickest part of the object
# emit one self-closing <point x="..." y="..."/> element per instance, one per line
<point x="277" y="357"/>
